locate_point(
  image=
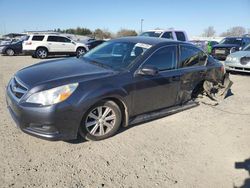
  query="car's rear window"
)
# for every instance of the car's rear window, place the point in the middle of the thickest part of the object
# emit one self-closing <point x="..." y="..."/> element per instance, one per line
<point x="38" y="37"/>
<point x="180" y="36"/>
<point x="151" y="34"/>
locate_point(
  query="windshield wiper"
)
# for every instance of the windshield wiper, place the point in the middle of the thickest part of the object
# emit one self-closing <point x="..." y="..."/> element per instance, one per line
<point x="98" y="63"/>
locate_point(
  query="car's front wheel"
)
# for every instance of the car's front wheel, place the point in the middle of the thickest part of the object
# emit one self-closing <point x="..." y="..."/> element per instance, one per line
<point x="101" y="121"/>
<point x="10" y="52"/>
<point x="42" y="53"/>
<point x="80" y="51"/>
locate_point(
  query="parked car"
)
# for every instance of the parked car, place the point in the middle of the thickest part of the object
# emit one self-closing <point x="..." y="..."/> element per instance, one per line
<point x="119" y="83"/>
<point x="168" y="34"/>
<point x="210" y="45"/>
<point x="43" y="45"/>
<point x="200" y="43"/>
<point x="229" y="45"/>
<point x="239" y="61"/>
<point x="93" y="44"/>
<point x="12" y="49"/>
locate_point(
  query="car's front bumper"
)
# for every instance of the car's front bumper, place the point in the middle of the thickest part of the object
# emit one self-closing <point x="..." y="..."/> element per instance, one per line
<point x="56" y="122"/>
<point x="237" y="67"/>
<point x="1" y="50"/>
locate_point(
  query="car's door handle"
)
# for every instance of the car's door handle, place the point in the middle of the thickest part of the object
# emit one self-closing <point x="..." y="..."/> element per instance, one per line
<point x="176" y="78"/>
<point x="49" y="43"/>
<point x="63" y="44"/>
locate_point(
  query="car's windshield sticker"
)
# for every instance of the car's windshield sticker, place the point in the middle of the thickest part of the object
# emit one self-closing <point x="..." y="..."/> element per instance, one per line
<point x="142" y="45"/>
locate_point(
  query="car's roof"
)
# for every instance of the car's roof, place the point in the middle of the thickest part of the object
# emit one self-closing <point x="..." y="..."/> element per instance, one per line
<point x="147" y="40"/>
<point x="235" y="37"/>
<point x="163" y="30"/>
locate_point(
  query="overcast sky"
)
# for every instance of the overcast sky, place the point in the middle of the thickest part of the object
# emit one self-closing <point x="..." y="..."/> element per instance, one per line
<point x="190" y="15"/>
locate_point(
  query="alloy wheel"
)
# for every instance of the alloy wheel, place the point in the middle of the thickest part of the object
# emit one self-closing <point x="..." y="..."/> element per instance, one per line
<point x="100" y="121"/>
<point x="80" y="52"/>
<point x="10" y="52"/>
<point x="42" y="53"/>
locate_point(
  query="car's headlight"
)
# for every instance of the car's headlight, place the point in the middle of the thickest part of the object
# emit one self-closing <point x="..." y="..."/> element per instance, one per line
<point x="52" y="96"/>
<point x="229" y="58"/>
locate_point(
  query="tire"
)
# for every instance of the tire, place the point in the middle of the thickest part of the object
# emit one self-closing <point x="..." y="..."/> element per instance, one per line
<point x="10" y="52"/>
<point x="80" y="51"/>
<point x="33" y="55"/>
<point x="42" y="53"/>
<point x="94" y="126"/>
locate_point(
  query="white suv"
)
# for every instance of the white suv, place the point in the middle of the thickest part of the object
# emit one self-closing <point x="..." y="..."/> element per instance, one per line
<point x="168" y="34"/>
<point x="42" y="45"/>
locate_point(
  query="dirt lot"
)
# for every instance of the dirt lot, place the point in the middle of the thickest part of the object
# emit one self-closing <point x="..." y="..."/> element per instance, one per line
<point x="194" y="148"/>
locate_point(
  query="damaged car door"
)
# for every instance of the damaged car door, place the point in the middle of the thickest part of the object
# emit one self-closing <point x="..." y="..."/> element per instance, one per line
<point x="157" y="81"/>
<point x="192" y="65"/>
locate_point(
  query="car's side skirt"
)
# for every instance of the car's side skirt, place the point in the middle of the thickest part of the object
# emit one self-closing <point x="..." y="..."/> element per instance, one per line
<point x="163" y="112"/>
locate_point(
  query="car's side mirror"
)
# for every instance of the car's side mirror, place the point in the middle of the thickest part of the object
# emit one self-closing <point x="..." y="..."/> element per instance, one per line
<point x="148" y="70"/>
<point x="240" y="48"/>
<point x="73" y="42"/>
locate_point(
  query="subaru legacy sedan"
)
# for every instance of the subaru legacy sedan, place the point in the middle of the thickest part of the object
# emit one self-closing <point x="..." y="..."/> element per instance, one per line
<point x="119" y="83"/>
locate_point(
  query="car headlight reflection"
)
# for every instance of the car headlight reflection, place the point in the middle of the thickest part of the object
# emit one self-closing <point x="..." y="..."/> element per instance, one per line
<point x="52" y="96"/>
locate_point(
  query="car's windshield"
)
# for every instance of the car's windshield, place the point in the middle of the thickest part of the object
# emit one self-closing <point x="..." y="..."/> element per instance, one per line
<point x="151" y="34"/>
<point x="116" y="55"/>
<point x="247" y="48"/>
<point x="231" y="41"/>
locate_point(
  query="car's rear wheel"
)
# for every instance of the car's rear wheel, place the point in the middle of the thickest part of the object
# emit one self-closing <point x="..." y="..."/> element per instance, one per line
<point x="101" y="121"/>
<point x="10" y="52"/>
<point x="42" y="53"/>
<point x="80" y="51"/>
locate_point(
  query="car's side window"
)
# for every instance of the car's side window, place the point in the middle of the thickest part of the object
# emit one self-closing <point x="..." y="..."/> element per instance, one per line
<point x="191" y="56"/>
<point x="180" y="36"/>
<point x="63" y="39"/>
<point x="37" y="37"/>
<point x="168" y="35"/>
<point x="164" y="58"/>
<point x="52" y="38"/>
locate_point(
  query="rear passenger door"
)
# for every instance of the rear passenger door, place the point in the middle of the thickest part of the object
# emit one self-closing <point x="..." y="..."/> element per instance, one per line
<point x="192" y="65"/>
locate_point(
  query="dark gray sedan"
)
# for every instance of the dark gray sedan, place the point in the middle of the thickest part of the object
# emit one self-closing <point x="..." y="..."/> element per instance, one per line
<point x="119" y="83"/>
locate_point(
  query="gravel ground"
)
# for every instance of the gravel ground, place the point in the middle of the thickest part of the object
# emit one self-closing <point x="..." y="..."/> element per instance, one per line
<point x="194" y="148"/>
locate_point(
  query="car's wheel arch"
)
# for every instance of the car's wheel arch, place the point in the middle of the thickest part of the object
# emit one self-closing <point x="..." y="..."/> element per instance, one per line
<point x="116" y="95"/>
<point x="10" y="49"/>
<point x="44" y="47"/>
<point x="78" y="47"/>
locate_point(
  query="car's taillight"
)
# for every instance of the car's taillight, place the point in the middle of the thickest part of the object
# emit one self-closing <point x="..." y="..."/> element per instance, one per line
<point x="28" y="43"/>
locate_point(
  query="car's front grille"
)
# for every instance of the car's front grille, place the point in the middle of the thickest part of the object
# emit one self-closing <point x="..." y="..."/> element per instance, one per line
<point x="17" y="88"/>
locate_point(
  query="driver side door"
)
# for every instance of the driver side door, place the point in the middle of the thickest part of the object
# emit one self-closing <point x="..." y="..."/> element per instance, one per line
<point x="154" y="92"/>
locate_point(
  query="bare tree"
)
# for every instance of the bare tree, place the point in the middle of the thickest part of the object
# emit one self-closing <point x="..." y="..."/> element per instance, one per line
<point x="102" y="34"/>
<point x="209" y="32"/>
<point x="126" y="32"/>
<point x="234" y="31"/>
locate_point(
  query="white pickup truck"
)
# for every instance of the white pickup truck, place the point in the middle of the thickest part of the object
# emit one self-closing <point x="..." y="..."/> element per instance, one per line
<point x="168" y="34"/>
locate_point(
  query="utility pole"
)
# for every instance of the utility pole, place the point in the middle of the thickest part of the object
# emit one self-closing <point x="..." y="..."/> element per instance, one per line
<point x="141" y="24"/>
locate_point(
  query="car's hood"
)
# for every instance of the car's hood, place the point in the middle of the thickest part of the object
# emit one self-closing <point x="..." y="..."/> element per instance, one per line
<point x="240" y="54"/>
<point x="61" y="71"/>
<point x="225" y="45"/>
<point x="3" y="45"/>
